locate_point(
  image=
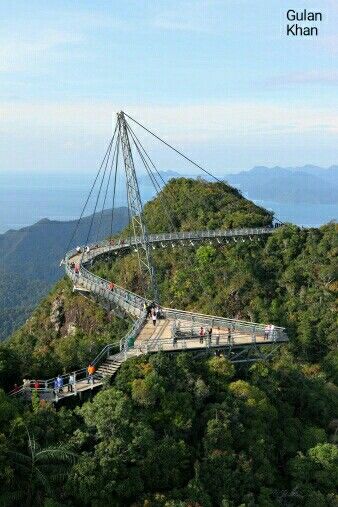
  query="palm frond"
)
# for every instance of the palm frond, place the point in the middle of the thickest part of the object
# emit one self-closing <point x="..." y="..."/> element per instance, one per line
<point x="18" y="457"/>
<point x="43" y="481"/>
<point x="55" y="453"/>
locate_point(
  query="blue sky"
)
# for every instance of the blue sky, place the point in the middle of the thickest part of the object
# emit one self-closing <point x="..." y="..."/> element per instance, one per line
<point x="219" y="79"/>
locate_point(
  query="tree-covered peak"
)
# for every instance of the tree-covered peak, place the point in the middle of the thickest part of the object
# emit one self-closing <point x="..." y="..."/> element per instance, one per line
<point x="187" y="204"/>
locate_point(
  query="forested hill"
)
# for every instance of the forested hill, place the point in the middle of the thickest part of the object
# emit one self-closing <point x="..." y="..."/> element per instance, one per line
<point x="180" y="431"/>
<point x="37" y="250"/>
<point x="30" y="259"/>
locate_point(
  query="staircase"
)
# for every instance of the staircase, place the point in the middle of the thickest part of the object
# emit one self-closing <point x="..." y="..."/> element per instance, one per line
<point x="109" y="367"/>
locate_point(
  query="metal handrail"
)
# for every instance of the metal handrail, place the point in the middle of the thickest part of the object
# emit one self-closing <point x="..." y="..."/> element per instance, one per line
<point x="133" y="303"/>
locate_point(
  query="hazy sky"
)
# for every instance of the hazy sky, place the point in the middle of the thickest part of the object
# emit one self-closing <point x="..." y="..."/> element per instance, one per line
<point x="219" y="79"/>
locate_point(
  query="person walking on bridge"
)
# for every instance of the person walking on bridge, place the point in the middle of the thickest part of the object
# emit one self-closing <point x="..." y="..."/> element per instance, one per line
<point x="266" y="332"/>
<point x="71" y="382"/>
<point x="218" y="335"/>
<point x="202" y="334"/>
<point x="91" y="371"/>
<point x="209" y="336"/>
<point x="59" y="383"/>
<point x="154" y="316"/>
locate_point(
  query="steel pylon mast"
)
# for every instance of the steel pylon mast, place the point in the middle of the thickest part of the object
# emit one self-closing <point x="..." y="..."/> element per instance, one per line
<point x="136" y="208"/>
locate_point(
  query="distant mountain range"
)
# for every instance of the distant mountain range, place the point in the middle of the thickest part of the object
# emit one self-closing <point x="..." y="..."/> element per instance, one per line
<point x="30" y="259"/>
<point x="307" y="184"/>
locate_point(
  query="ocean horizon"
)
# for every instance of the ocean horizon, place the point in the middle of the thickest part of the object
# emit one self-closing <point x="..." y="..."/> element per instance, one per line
<point x="26" y="198"/>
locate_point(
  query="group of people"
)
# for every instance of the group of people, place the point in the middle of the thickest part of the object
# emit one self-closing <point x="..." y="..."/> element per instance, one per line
<point x="203" y="333"/>
<point x="59" y="381"/>
<point x="75" y="267"/>
<point x="153" y="311"/>
<point x="207" y="335"/>
<point x="27" y="384"/>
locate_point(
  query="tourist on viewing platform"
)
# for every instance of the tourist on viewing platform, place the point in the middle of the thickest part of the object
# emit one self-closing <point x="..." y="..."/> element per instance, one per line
<point x="154" y="316"/>
<point x="58" y="384"/>
<point x="90" y="371"/>
<point x="78" y="249"/>
<point x="209" y="336"/>
<point x="266" y="332"/>
<point x="218" y="334"/>
<point x="202" y="334"/>
<point x="36" y="384"/>
<point x="71" y="382"/>
<point x="76" y="269"/>
<point x="87" y="249"/>
<point x="150" y="309"/>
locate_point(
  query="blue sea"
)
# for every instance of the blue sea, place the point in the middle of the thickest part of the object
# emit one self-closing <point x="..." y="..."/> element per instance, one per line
<point x="26" y="198"/>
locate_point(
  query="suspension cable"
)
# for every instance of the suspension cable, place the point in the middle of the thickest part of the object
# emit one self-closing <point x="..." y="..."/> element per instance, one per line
<point x="155" y="183"/>
<point x="184" y="156"/>
<point x="90" y="193"/>
<point x="174" y="149"/>
<point x="98" y="195"/>
<point x="155" y="168"/>
<point x="115" y="178"/>
<point x="106" y="192"/>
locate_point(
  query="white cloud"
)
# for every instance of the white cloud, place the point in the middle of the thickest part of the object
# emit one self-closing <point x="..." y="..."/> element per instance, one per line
<point x="20" y="52"/>
<point x="320" y="76"/>
<point x="188" y="16"/>
<point x="200" y="122"/>
<point x="229" y="134"/>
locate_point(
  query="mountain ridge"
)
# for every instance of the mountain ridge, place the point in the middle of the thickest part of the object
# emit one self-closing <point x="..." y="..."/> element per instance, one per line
<point x="30" y="259"/>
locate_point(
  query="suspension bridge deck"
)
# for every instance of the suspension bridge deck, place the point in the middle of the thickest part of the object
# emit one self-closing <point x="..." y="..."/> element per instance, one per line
<point x="178" y="330"/>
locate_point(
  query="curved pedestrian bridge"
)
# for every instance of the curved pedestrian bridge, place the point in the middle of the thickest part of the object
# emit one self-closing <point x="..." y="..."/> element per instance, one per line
<point x="175" y="330"/>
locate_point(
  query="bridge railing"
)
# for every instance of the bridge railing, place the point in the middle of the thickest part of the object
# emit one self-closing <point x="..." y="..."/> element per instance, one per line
<point x="128" y="341"/>
<point x="191" y="330"/>
<point x="127" y="300"/>
<point x="190" y="321"/>
<point x="119" y="243"/>
<point x="134" y="304"/>
<point x="195" y="342"/>
<point x="130" y="302"/>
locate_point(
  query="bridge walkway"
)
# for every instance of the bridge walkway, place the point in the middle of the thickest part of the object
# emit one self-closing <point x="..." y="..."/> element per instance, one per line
<point x="177" y="331"/>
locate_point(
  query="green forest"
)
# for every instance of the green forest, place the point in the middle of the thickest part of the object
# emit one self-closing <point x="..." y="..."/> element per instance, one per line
<point x="178" y="430"/>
